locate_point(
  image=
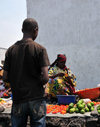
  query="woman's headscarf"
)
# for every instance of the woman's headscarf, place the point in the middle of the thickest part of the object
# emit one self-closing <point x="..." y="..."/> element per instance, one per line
<point x="60" y="58"/>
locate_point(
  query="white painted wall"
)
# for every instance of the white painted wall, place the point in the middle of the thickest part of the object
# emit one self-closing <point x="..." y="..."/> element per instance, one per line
<point x="2" y="54"/>
<point x="71" y="27"/>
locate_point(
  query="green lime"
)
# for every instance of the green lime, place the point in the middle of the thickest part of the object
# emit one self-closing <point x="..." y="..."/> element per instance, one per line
<point x="0" y="99"/>
<point x="89" y="105"/>
<point x="83" y="104"/>
<point x="72" y="110"/>
<point x="80" y="101"/>
<point x="82" y="111"/>
<point x="67" y="110"/>
<point x="77" y="104"/>
<point x="98" y="111"/>
<point x="76" y="110"/>
<point x="92" y="103"/>
<point x="80" y="106"/>
<point x="98" y="108"/>
<point x="92" y="108"/>
<point x="86" y="109"/>
<point x="71" y="105"/>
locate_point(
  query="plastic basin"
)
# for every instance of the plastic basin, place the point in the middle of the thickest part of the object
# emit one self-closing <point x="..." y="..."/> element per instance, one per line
<point x="66" y="99"/>
<point x="91" y="93"/>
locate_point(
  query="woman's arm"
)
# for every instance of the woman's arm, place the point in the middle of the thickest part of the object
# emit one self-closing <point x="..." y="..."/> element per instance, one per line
<point x="56" y="75"/>
<point x="70" y="88"/>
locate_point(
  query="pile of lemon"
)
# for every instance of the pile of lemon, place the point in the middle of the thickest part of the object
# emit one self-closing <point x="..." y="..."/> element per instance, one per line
<point x="80" y="107"/>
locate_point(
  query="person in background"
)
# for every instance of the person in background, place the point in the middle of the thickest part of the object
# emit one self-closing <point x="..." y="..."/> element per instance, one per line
<point x="4" y="86"/>
<point x="61" y="80"/>
<point x="1" y="72"/>
<point x="26" y="69"/>
<point x="2" y="62"/>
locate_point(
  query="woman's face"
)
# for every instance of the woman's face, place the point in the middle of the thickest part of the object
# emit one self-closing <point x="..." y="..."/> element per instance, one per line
<point x="61" y="64"/>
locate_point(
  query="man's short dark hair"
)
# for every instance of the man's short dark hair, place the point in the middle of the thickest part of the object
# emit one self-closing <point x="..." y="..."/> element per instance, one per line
<point x="29" y="24"/>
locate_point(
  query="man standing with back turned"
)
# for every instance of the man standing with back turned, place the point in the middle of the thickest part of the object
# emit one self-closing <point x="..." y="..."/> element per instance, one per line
<point x="26" y="69"/>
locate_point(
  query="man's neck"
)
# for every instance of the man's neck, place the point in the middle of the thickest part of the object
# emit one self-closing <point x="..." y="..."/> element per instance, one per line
<point x="27" y="36"/>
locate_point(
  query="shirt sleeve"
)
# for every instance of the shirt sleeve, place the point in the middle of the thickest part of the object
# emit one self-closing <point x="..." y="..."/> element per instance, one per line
<point x="44" y="60"/>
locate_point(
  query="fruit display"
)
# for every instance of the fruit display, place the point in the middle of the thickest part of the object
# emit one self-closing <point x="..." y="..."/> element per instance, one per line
<point x="79" y="107"/>
<point x="98" y="109"/>
<point x="57" y="109"/>
<point x="2" y="101"/>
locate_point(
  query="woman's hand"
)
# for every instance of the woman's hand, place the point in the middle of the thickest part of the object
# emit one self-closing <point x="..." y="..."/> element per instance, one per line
<point x="67" y="84"/>
<point x="57" y="75"/>
<point x="70" y="88"/>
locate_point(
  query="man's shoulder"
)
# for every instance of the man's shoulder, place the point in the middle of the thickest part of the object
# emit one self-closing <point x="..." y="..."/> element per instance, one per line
<point x="10" y="48"/>
<point x="32" y="45"/>
<point x="38" y="45"/>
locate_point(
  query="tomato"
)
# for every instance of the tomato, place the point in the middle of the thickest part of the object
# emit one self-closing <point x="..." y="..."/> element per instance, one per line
<point x="5" y="94"/>
<point x="63" y="112"/>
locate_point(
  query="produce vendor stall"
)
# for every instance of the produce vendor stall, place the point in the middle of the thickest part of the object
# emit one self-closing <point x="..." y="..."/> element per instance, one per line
<point x="69" y="111"/>
<point x="58" y="120"/>
<point x="58" y="116"/>
<point x="73" y="120"/>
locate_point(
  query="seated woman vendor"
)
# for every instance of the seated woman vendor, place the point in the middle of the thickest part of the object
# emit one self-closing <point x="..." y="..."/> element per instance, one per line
<point x="61" y="80"/>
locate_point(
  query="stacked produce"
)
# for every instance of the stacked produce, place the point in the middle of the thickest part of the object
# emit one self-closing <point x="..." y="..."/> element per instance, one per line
<point x="2" y="101"/>
<point x="79" y="107"/>
<point x="98" y="109"/>
<point x="5" y="104"/>
<point x="57" y="109"/>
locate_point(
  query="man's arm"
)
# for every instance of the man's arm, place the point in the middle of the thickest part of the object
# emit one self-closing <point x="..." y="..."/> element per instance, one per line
<point x="44" y="75"/>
